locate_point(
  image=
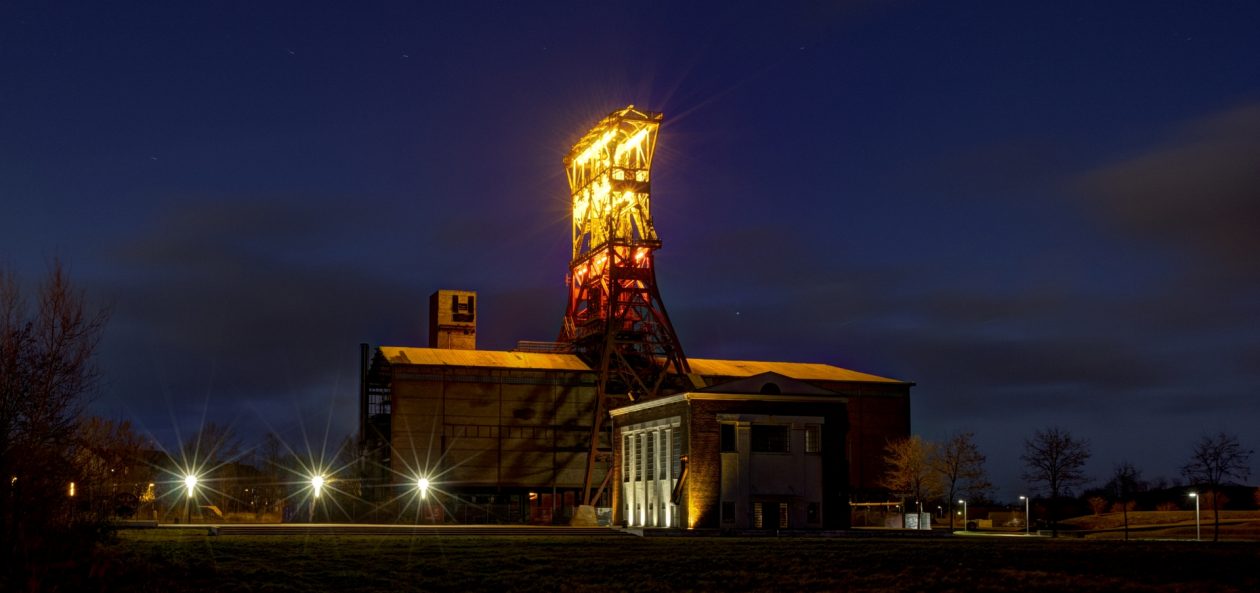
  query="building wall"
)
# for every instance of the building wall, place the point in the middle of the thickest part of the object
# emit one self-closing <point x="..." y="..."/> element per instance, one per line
<point x="650" y="464"/>
<point x="619" y="482"/>
<point x="704" y="485"/>
<point x="878" y="413"/>
<point x="477" y="427"/>
<point x="756" y="484"/>
<point x="487" y="429"/>
<point x="453" y="319"/>
<point x="702" y="489"/>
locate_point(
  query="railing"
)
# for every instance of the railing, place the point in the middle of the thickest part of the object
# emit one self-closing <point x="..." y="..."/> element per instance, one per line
<point x="543" y="347"/>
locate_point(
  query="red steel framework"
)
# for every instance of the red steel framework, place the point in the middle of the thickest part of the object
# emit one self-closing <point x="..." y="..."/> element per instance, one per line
<point x="615" y="319"/>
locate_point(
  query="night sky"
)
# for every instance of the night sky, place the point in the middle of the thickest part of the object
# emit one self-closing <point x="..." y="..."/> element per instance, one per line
<point x="1041" y="213"/>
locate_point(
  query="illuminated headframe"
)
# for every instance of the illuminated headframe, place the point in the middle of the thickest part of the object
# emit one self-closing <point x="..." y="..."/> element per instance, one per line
<point x="609" y="173"/>
<point x="615" y="319"/>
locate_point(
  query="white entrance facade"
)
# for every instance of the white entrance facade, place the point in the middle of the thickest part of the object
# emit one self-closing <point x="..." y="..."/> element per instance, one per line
<point x="651" y="455"/>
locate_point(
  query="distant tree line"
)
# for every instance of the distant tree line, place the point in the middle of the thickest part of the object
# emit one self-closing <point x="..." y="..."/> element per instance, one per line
<point x="1054" y="465"/>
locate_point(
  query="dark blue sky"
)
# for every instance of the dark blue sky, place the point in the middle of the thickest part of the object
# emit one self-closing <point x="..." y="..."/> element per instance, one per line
<point x="1041" y="213"/>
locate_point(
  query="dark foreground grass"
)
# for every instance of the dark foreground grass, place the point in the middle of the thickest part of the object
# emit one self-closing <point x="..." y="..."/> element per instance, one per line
<point x="191" y="561"/>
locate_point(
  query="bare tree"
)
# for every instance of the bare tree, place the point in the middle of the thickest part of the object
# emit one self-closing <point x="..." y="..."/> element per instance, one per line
<point x="909" y="473"/>
<point x="1126" y="482"/>
<point x="109" y="460"/>
<point x="46" y="372"/>
<point x="272" y="459"/>
<point x="1054" y="458"/>
<point x="959" y="465"/>
<point x="1213" y="461"/>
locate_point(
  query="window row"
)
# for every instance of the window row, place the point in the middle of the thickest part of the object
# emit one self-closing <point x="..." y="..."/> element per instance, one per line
<point x="771" y="438"/>
<point x="653" y="454"/>
<point x="492" y="431"/>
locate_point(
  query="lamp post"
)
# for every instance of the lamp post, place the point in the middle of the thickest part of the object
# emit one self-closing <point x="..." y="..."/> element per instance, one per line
<point x="1026" y="501"/>
<point x="1197" y="534"/>
<point x="422" y="487"/>
<point x="317" y="485"/>
<point x="964" y="503"/>
<point x="190" y="482"/>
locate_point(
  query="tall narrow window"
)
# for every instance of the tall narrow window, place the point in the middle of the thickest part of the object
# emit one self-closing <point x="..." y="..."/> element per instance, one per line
<point x="727" y="438"/>
<point x="758" y="519"/>
<point x="728" y="511"/>
<point x="675" y="437"/>
<point x="625" y="458"/>
<point x="638" y="455"/>
<point x="813" y="438"/>
<point x="649" y="473"/>
<point x="662" y="468"/>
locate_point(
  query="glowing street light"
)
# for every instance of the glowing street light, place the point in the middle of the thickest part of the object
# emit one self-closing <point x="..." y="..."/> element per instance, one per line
<point x="1026" y="501"/>
<point x="190" y="483"/>
<point x="317" y="488"/>
<point x="422" y="485"/>
<point x="1197" y="535"/>
<point x="964" y="503"/>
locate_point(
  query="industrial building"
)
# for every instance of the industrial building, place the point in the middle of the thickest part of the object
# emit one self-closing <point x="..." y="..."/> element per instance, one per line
<point x="613" y="415"/>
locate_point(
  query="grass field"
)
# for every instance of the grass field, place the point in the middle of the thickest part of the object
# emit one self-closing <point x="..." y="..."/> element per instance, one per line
<point x="1235" y="525"/>
<point x="191" y="561"/>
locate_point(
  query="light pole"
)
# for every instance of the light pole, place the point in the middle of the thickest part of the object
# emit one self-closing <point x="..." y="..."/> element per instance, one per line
<point x="1197" y="535"/>
<point x="317" y="485"/>
<point x="190" y="482"/>
<point x="964" y="503"/>
<point x="1026" y="501"/>
<point x="422" y="486"/>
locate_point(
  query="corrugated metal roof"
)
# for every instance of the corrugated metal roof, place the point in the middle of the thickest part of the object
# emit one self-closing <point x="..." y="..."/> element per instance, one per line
<point x="483" y="358"/>
<point x="804" y="371"/>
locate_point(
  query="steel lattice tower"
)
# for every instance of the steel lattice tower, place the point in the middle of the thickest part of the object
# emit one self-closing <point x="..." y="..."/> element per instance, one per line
<point x="615" y="319"/>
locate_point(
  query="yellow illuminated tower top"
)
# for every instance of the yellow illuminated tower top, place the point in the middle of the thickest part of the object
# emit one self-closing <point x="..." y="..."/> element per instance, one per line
<point x="610" y="177"/>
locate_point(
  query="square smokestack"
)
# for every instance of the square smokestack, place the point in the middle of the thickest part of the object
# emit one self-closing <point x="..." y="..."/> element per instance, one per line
<point x="453" y="319"/>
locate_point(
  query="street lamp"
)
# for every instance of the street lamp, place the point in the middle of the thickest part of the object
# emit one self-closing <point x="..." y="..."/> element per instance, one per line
<point x="964" y="503"/>
<point x="190" y="482"/>
<point x="422" y="485"/>
<point x="1026" y="501"/>
<point x="1197" y="535"/>
<point x="317" y="486"/>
